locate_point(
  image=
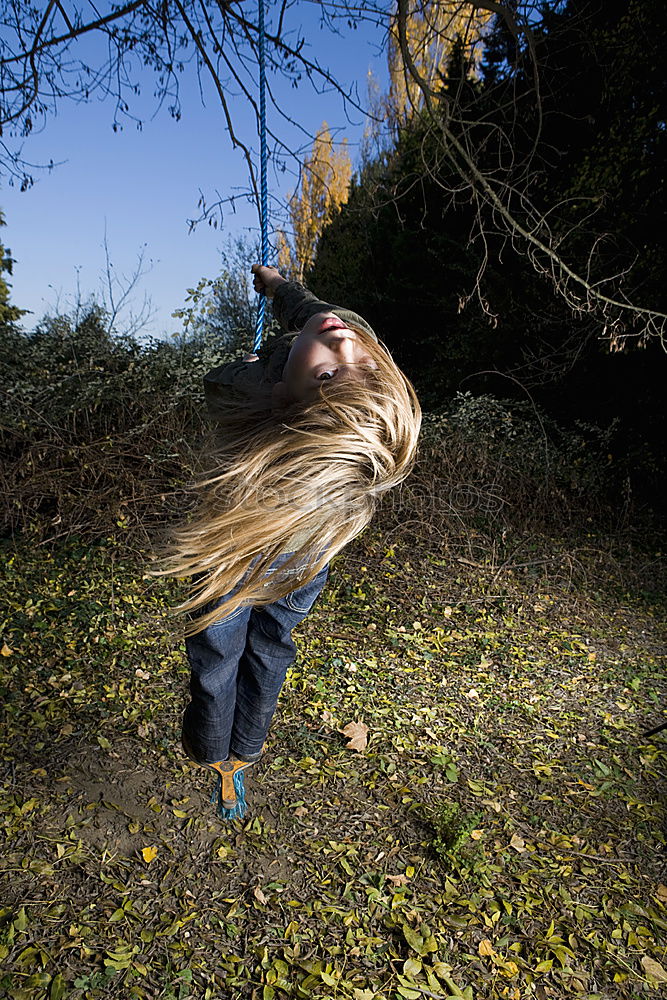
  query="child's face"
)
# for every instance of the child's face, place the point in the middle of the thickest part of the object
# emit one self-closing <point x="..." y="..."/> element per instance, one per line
<point x="324" y="350"/>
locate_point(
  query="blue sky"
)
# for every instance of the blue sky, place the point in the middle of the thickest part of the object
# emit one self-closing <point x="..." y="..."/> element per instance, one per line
<point x="141" y="187"/>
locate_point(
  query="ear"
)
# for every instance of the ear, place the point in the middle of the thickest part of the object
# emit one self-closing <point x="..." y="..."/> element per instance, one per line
<point x="280" y="397"/>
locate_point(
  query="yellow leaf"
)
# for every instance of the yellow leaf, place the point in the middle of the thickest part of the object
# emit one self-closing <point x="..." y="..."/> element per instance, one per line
<point x="357" y="735"/>
<point x="485" y="947"/>
<point x="518" y="843"/>
<point x="180" y="813"/>
<point x="6" y="651"/>
<point x="654" y="969"/>
<point x="476" y="834"/>
<point x="662" y="893"/>
<point x="149" y="854"/>
<point x="412" y="967"/>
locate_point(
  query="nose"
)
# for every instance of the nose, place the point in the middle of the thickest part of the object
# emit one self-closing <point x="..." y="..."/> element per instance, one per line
<point x="345" y="347"/>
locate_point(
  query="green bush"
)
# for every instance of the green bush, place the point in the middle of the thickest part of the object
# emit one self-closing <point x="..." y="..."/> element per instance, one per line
<point x="97" y="429"/>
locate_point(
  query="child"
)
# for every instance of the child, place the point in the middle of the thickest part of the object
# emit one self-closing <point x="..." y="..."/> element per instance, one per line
<point x="308" y="433"/>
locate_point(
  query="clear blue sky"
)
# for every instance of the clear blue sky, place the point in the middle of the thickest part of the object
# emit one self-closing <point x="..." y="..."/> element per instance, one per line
<point x="141" y="187"/>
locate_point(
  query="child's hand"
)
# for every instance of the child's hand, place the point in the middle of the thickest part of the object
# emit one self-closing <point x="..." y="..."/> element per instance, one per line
<point x="266" y="279"/>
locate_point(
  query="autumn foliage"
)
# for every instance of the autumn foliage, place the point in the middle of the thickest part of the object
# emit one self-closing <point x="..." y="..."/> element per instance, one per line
<point x="434" y="32"/>
<point x="323" y="187"/>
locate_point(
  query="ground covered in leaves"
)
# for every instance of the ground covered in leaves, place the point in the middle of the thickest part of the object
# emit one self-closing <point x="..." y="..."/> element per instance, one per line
<point x="500" y="835"/>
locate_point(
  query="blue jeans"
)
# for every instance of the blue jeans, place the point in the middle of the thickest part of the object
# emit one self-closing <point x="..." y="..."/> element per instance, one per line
<point x="238" y="667"/>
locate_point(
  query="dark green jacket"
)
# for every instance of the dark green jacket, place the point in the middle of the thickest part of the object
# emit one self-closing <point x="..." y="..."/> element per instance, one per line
<point x="293" y="305"/>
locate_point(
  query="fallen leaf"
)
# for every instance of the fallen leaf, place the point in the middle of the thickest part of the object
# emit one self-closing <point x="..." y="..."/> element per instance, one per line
<point x="493" y="804"/>
<point x="518" y="843"/>
<point x="397" y="879"/>
<point x="300" y="811"/>
<point x="357" y="735"/>
<point x="6" y="651"/>
<point x="149" y="854"/>
<point x="142" y="674"/>
<point x="662" y="893"/>
<point x="259" y="896"/>
<point x="476" y="834"/>
<point x="653" y="968"/>
<point x="485" y="947"/>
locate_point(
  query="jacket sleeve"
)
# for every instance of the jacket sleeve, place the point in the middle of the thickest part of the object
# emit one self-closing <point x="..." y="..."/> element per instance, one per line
<point x="294" y="304"/>
<point x="227" y="379"/>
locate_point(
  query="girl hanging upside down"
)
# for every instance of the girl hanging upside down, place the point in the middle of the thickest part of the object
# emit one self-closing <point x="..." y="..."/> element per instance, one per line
<point x="308" y="434"/>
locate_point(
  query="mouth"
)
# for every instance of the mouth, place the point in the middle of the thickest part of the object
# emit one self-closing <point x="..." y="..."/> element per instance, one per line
<point x="331" y="323"/>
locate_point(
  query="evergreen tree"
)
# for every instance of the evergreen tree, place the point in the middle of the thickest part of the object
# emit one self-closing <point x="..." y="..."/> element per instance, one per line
<point x="400" y="250"/>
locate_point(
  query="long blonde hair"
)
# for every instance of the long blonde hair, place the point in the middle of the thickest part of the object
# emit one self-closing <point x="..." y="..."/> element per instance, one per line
<point x="272" y="478"/>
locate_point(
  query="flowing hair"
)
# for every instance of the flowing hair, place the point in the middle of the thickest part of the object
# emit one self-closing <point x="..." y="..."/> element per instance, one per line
<point x="304" y="481"/>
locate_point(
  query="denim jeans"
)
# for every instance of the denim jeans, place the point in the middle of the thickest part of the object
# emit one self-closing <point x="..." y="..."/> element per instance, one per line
<point x="238" y="667"/>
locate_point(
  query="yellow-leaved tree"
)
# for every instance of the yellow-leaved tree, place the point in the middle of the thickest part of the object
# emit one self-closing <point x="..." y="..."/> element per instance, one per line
<point x="323" y="187"/>
<point x="434" y="29"/>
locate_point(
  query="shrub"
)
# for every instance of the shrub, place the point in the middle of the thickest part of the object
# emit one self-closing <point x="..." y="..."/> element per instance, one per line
<point x="97" y="429"/>
<point x="488" y="467"/>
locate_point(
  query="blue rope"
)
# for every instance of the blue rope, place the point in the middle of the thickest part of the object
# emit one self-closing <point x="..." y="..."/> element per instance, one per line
<point x="264" y="198"/>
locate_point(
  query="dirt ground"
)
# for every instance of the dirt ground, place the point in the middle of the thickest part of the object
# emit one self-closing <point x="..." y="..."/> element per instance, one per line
<point x="502" y="833"/>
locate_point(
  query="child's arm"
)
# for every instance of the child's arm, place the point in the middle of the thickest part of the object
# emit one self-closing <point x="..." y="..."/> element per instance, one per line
<point x="294" y="304"/>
